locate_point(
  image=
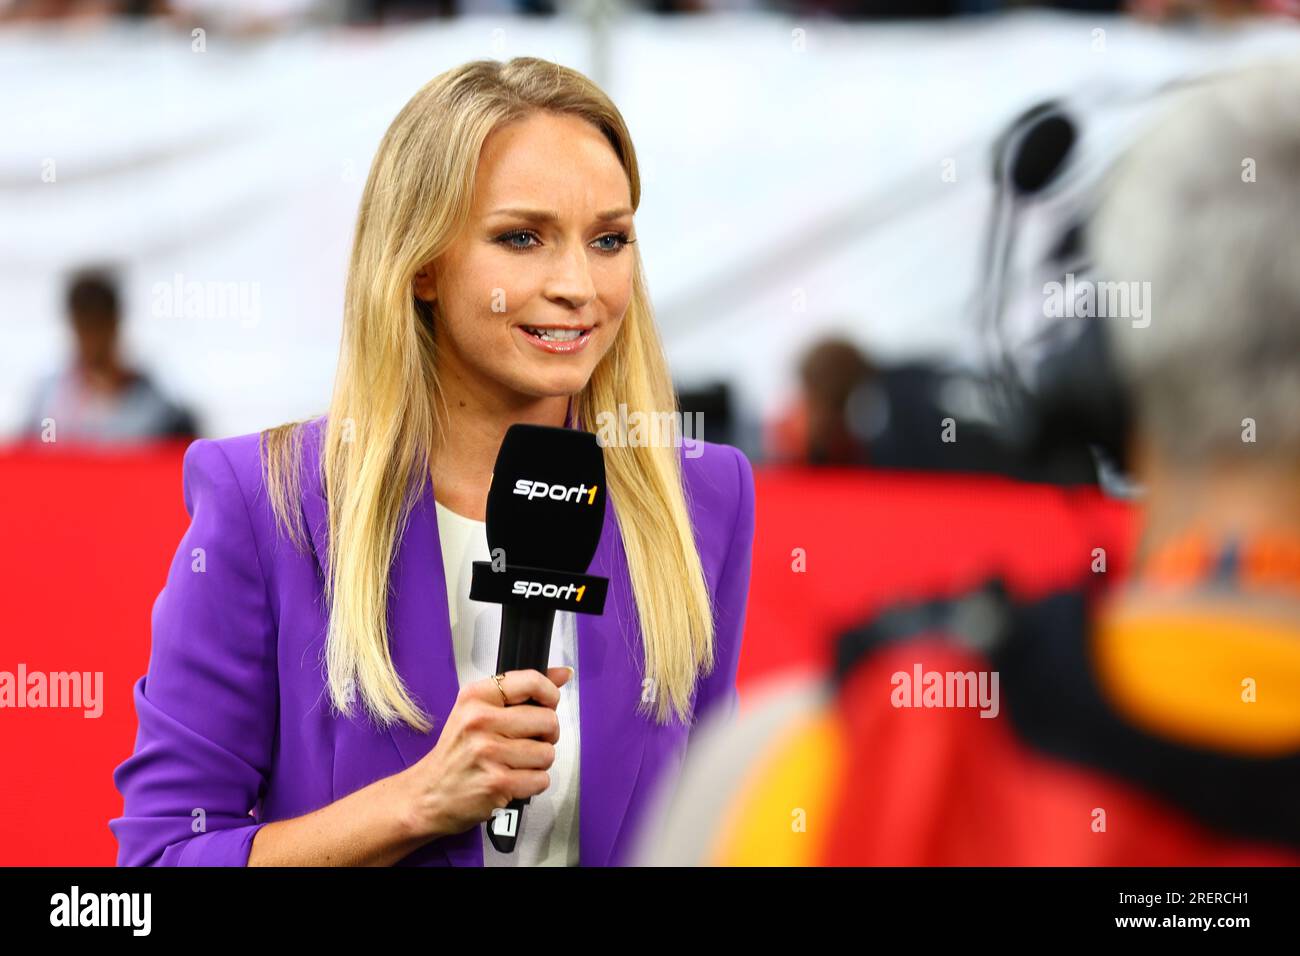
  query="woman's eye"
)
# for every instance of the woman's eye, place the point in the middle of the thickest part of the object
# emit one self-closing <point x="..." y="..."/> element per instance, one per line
<point x="508" y="238"/>
<point x="620" y="239"/>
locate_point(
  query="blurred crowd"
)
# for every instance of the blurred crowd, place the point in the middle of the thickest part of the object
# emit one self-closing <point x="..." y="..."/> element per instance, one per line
<point x="254" y="16"/>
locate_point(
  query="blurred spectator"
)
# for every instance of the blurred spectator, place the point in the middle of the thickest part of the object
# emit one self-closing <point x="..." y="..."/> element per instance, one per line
<point x="815" y="429"/>
<point x="249" y="17"/>
<point x="930" y="9"/>
<point x="1216" y="9"/>
<point x="399" y="11"/>
<point x="79" y="10"/>
<point x="1157" y="723"/>
<point x="243" y="17"/>
<point x="97" y="398"/>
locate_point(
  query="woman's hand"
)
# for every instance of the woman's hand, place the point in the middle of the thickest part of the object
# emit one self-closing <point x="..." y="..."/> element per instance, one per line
<point x="488" y="754"/>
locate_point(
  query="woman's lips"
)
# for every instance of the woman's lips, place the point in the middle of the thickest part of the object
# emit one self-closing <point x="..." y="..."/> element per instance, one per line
<point x="557" y="348"/>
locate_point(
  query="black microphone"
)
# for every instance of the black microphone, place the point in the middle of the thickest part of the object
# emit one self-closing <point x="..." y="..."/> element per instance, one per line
<point x="1032" y="152"/>
<point x="1030" y="156"/>
<point x="545" y="516"/>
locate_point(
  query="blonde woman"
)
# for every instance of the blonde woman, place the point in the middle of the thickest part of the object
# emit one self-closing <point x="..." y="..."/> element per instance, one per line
<point x="321" y="688"/>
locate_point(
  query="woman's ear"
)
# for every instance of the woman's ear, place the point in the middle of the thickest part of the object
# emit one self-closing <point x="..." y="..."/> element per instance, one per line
<point x="423" y="284"/>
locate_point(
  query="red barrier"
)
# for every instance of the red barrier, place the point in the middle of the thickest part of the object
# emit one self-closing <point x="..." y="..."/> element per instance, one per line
<point x="89" y="536"/>
<point x="873" y="538"/>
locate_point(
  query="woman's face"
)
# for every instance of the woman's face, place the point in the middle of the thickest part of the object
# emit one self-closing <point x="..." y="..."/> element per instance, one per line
<point x="545" y="248"/>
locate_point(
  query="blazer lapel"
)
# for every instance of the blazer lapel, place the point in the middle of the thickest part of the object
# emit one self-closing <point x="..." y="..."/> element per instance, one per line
<point x="613" y="735"/>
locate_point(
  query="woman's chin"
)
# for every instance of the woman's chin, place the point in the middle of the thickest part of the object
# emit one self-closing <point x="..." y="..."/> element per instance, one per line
<point x="555" y="385"/>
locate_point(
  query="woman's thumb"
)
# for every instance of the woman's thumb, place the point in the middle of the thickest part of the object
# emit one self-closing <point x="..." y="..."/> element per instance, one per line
<point x="559" y="676"/>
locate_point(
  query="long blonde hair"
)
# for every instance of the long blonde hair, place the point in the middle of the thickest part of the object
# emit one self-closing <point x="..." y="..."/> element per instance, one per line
<point x="387" y="408"/>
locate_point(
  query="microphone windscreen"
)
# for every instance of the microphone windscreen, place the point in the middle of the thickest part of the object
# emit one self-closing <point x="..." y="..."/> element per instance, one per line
<point x="546" y="505"/>
<point x="1042" y="153"/>
<point x="1033" y="150"/>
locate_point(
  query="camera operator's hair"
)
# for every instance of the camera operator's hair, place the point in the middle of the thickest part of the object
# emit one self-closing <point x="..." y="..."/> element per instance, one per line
<point x="1206" y="207"/>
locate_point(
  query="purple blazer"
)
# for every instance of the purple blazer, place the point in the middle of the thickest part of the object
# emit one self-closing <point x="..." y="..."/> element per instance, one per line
<point x="235" y="728"/>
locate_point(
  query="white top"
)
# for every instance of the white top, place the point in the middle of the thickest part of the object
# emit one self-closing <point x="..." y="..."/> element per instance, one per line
<point x="548" y="834"/>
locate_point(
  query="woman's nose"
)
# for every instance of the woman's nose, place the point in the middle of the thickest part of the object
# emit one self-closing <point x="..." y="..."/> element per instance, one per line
<point x="570" y="278"/>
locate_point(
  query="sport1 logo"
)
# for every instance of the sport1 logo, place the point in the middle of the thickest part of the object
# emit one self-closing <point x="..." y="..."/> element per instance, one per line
<point x="540" y="489"/>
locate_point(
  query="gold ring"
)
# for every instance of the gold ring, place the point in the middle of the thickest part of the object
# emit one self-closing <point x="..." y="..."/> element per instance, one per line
<point x="505" y="701"/>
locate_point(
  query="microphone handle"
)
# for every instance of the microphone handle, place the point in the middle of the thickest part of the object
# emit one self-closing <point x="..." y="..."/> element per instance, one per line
<point x="525" y="643"/>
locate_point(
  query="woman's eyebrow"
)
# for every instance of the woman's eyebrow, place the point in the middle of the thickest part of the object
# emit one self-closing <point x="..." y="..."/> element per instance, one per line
<point x="546" y="215"/>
